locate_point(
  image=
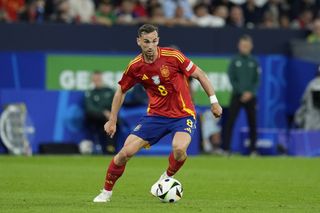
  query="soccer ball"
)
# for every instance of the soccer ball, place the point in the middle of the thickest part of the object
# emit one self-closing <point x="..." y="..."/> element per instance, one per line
<point x="169" y="190"/>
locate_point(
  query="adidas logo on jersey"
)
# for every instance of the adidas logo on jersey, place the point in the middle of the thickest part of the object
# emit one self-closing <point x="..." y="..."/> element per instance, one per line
<point x="144" y="77"/>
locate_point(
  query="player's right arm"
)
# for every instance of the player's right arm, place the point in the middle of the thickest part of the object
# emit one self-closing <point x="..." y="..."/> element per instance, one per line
<point x="111" y="125"/>
<point x="127" y="81"/>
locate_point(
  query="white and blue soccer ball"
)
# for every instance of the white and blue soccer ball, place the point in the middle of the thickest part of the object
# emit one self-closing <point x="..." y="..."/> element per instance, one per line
<point x="169" y="190"/>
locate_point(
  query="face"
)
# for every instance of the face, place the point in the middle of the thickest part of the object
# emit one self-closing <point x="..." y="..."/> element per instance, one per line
<point x="148" y="43"/>
<point x="222" y="11"/>
<point x="41" y="3"/>
<point x="236" y="14"/>
<point x="179" y="13"/>
<point x="245" y="46"/>
<point x="97" y="80"/>
<point x="105" y="8"/>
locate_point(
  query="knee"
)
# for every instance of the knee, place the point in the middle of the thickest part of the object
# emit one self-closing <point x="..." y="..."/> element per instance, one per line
<point x="122" y="157"/>
<point x="179" y="153"/>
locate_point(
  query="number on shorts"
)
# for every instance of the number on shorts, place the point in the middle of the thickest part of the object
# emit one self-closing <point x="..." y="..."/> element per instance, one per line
<point x="190" y="123"/>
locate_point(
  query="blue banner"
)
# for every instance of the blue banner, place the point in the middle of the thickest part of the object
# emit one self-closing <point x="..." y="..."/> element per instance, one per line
<point x="58" y="115"/>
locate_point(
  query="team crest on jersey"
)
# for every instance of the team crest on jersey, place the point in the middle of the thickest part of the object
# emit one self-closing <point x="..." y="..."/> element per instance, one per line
<point x="164" y="70"/>
<point x="156" y="79"/>
<point x="238" y="63"/>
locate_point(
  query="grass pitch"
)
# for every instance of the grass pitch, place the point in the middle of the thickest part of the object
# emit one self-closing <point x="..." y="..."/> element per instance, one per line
<point x="211" y="184"/>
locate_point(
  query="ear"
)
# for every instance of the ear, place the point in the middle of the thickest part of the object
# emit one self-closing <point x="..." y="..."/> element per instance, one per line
<point x="138" y="41"/>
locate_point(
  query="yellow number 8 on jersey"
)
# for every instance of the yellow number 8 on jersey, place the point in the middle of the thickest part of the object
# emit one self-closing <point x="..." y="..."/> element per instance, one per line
<point x="163" y="91"/>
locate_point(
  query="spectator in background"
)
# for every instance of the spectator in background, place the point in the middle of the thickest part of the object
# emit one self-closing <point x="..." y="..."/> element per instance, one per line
<point x="169" y="8"/>
<point x="179" y="18"/>
<point x="226" y="3"/>
<point x="97" y="110"/>
<point x="105" y="15"/>
<point x="308" y="114"/>
<point x="221" y="11"/>
<point x="62" y="12"/>
<point x="284" y="21"/>
<point x="126" y="14"/>
<point x="252" y="13"/>
<point x="150" y="4"/>
<point x="243" y="74"/>
<point x="50" y="8"/>
<point x="140" y="8"/>
<point x="275" y="8"/>
<point x="211" y="134"/>
<point x="304" y="21"/>
<point x="157" y="16"/>
<point x="268" y="21"/>
<point x="298" y="6"/>
<point x="236" y="18"/>
<point x="203" y="18"/>
<point x="314" y="37"/>
<point x="11" y="9"/>
<point x="82" y="11"/>
<point x="35" y="12"/>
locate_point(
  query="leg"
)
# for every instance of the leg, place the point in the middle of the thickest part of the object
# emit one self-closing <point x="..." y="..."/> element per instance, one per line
<point x="180" y="143"/>
<point x="97" y="134"/>
<point x="116" y="168"/>
<point x="250" y="108"/>
<point x="232" y="115"/>
<point x="117" y="165"/>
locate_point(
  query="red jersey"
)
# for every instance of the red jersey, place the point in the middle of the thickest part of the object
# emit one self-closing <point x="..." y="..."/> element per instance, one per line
<point x="165" y="81"/>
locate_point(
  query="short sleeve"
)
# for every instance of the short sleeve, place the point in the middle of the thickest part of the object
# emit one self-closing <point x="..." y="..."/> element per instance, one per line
<point x="127" y="81"/>
<point x="185" y="64"/>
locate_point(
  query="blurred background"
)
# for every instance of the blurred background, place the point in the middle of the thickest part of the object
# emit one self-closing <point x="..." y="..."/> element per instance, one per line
<point x="51" y="49"/>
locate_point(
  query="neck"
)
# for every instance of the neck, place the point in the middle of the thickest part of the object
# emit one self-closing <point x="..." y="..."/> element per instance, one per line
<point x="245" y="54"/>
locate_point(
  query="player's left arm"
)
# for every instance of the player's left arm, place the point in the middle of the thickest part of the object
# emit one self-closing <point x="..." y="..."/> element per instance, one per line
<point x="202" y="77"/>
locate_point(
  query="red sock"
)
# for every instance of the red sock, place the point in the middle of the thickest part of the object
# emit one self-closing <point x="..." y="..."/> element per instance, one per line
<point x="174" y="165"/>
<point x="113" y="173"/>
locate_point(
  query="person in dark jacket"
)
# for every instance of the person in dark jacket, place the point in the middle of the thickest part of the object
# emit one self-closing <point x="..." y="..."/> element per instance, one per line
<point x="97" y="110"/>
<point x="244" y="77"/>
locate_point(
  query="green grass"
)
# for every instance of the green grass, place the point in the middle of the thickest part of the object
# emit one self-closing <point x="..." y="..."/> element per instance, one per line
<point x="211" y="184"/>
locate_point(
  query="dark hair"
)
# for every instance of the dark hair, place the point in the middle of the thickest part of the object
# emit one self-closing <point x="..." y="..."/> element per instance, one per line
<point x="97" y="72"/>
<point x="246" y="37"/>
<point x="147" y="28"/>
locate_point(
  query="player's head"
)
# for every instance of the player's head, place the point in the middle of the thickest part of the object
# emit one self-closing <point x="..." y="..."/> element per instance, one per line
<point x="148" y="39"/>
<point x="245" y="44"/>
<point x="96" y="78"/>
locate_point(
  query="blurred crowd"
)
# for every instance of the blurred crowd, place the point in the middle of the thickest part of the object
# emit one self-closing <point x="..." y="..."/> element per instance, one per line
<point x="296" y="14"/>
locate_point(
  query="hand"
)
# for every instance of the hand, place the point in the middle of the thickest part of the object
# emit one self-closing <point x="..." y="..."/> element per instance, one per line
<point x="110" y="127"/>
<point x="216" y="110"/>
<point x="246" y="96"/>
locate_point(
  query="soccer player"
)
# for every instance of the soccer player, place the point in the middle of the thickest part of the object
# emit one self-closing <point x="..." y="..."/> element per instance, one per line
<point x="163" y="72"/>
